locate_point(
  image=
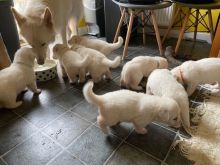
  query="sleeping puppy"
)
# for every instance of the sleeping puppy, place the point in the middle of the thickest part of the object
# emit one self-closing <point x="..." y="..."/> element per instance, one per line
<point x="99" y="65"/>
<point x="72" y="62"/>
<point x="128" y="106"/>
<point x="97" y="44"/>
<point x="162" y="83"/>
<point x="139" y="67"/>
<point x="19" y="75"/>
<point x="193" y="73"/>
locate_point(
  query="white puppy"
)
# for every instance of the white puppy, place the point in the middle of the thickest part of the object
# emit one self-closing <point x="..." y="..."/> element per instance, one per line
<point x="41" y="19"/>
<point x="97" y="44"/>
<point x="139" y="67"/>
<point x="162" y="83"/>
<point x="73" y="63"/>
<point x="19" y="75"/>
<point x="128" y="106"/>
<point x="99" y="65"/>
<point x="193" y="73"/>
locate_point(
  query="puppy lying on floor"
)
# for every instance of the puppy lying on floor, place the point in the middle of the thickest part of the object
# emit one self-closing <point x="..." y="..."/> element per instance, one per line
<point x="97" y="44"/>
<point x="72" y="62"/>
<point x="162" y="83"/>
<point x="128" y="106"/>
<point x="19" y="75"/>
<point x="139" y="67"/>
<point x="99" y="65"/>
<point x="193" y="73"/>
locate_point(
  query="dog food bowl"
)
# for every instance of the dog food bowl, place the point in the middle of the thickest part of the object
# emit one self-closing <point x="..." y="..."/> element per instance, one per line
<point x="47" y="71"/>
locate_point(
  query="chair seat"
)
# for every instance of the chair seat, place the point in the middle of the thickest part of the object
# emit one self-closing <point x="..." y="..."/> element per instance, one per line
<point x="160" y="5"/>
<point x="140" y="2"/>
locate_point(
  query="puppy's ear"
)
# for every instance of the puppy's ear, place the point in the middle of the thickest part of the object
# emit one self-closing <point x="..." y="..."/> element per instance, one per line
<point x="47" y="18"/>
<point x="163" y="115"/>
<point x="19" y="18"/>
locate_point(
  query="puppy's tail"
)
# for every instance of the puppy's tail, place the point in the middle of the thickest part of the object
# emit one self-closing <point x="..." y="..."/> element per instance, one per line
<point x="112" y="64"/>
<point x="118" y="44"/>
<point x="89" y="95"/>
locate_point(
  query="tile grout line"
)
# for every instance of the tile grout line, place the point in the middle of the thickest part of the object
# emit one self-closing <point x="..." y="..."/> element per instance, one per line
<point x="41" y="131"/>
<point x="114" y="151"/>
<point x="18" y="144"/>
<point x="65" y="148"/>
<point x="171" y="147"/>
<point x="3" y="161"/>
<point x="57" y="143"/>
<point x="146" y="153"/>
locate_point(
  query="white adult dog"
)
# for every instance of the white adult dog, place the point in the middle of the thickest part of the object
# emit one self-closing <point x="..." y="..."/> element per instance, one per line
<point x="193" y="73"/>
<point x="73" y="63"/>
<point x="139" y="67"/>
<point x="19" y="75"/>
<point x="128" y="106"/>
<point x="99" y="65"/>
<point x="162" y="83"/>
<point x="97" y="44"/>
<point x="41" y="19"/>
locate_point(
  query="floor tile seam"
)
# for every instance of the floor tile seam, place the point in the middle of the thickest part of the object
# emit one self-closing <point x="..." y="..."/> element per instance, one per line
<point x="67" y="109"/>
<point x="166" y="128"/>
<point x="17" y="117"/>
<point x="59" y="153"/>
<point x="63" y="148"/>
<point x="3" y="161"/>
<point x="170" y="149"/>
<point x="122" y="139"/>
<point x="140" y="150"/>
<point x="114" y="151"/>
<point x="40" y="129"/>
<point x="23" y="141"/>
<point x="79" y="116"/>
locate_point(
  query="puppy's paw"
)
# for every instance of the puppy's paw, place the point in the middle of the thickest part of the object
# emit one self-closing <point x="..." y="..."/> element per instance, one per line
<point x="141" y="131"/>
<point x="38" y="91"/>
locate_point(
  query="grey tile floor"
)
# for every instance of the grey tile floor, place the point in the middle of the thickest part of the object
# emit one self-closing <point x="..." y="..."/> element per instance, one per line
<point x="59" y="126"/>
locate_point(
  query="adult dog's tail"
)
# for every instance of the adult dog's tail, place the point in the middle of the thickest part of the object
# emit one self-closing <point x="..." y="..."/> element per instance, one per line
<point x="112" y="64"/>
<point x="118" y="44"/>
<point x="89" y="95"/>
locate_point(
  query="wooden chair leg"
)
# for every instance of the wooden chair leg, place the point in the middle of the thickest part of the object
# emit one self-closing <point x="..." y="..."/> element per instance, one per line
<point x="211" y="24"/>
<point x="171" y="25"/>
<point x="143" y="28"/>
<point x="153" y="17"/>
<point x="119" y="26"/>
<point x="214" y="52"/>
<point x="196" y="24"/>
<point x="125" y="52"/>
<point x="182" y="31"/>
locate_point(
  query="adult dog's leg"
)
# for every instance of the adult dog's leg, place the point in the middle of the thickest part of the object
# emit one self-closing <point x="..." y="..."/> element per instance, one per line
<point x="33" y="87"/>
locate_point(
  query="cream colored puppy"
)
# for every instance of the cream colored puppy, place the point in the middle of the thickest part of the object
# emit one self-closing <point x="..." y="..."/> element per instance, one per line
<point x="97" y="44"/>
<point x="73" y="63"/>
<point x="99" y="65"/>
<point x="193" y="73"/>
<point x="162" y="83"/>
<point x="19" y="75"/>
<point x="128" y="106"/>
<point x="40" y="20"/>
<point x="139" y="67"/>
